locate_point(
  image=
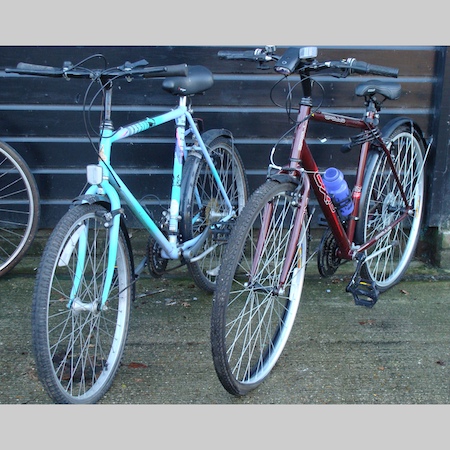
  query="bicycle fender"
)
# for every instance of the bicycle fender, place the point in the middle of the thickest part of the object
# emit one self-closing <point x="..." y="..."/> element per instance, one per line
<point x="214" y="133"/>
<point x="284" y="178"/>
<point x="394" y="123"/>
<point x="91" y="199"/>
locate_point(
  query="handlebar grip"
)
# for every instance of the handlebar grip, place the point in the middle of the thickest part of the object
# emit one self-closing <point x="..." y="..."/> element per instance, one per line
<point x="35" y="69"/>
<point x="363" y="67"/>
<point x="175" y="70"/>
<point x="28" y="66"/>
<point x="248" y="55"/>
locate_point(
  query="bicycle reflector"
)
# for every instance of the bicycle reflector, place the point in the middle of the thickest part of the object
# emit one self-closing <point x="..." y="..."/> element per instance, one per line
<point x="94" y="174"/>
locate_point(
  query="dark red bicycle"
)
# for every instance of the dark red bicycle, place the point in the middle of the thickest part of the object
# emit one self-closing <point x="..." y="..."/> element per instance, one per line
<point x="376" y="224"/>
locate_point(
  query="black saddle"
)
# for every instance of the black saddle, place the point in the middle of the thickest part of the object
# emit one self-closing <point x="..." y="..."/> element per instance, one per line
<point x="198" y="79"/>
<point x="390" y="90"/>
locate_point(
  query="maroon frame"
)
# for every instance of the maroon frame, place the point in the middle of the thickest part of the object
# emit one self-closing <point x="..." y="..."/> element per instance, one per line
<point x="302" y="162"/>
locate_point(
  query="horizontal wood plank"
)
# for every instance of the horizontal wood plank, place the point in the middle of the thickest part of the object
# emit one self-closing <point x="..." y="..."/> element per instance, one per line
<point x="43" y="118"/>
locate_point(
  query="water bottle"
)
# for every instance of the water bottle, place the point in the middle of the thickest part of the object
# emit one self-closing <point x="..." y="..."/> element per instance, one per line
<point x="338" y="190"/>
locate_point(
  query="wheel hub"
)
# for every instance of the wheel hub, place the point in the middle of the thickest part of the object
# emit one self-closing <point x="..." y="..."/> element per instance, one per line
<point x="79" y="306"/>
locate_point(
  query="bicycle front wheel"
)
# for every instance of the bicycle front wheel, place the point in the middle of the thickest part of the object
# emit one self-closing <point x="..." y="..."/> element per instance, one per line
<point x="203" y="206"/>
<point x="382" y="204"/>
<point x="78" y="345"/>
<point x="19" y="208"/>
<point x="254" y="309"/>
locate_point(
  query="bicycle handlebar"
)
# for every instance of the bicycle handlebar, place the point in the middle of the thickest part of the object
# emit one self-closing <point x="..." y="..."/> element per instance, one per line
<point x="298" y="59"/>
<point x="34" y="69"/>
<point x="126" y="70"/>
<point x="258" y="55"/>
<point x="362" y="67"/>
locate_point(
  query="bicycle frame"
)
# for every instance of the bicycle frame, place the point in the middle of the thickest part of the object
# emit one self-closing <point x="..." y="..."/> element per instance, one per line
<point x="303" y="166"/>
<point x="105" y="182"/>
<point x="261" y="279"/>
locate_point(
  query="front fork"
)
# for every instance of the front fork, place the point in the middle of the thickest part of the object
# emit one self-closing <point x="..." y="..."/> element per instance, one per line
<point x="300" y="214"/>
<point x="300" y="203"/>
<point x="112" y="222"/>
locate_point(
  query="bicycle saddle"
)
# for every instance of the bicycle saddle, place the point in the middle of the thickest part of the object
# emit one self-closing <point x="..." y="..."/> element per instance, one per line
<point x="390" y="90"/>
<point x="198" y="79"/>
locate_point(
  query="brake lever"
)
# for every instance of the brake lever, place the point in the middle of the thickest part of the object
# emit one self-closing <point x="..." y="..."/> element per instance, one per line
<point x="263" y="65"/>
<point x="344" y="73"/>
<point x="130" y="66"/>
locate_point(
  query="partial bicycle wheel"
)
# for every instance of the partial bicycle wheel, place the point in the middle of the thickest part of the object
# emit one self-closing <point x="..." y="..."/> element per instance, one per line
<point x="78" y="346"/>
<point x="19" y="208"/>
<point x="254" y="308"/>
<point x="203" y="205"/>
<point x="382" y="205"/>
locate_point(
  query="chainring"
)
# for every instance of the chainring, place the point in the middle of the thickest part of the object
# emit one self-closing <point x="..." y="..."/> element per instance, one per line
<point x="155" y="262"/>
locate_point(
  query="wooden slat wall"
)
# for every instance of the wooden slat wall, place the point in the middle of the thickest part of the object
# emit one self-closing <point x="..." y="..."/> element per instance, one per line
<point x="42" y="117"/>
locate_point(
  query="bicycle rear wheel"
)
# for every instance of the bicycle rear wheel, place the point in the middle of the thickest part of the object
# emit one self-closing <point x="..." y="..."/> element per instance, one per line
<point x="382" y="205"/>
<point x="77" y="346"/>
<point x="19" y="208"/>
<point x="203" y="205"/>
<point x="253" y="313"/>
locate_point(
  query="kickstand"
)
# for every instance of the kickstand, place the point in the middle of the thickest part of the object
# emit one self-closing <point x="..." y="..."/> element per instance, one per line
<point x="365" y="292"/>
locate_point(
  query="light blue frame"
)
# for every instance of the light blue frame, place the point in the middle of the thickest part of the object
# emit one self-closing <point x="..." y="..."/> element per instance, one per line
<point x="117" y="192"/>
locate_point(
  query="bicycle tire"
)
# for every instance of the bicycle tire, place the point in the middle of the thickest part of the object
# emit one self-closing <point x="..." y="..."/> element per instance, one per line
<point x="78" y="348"/>
<point x="250" y="321"/>
<point x="19" y="208"/>
<point x="381" y="204"/>
<point x="202" y="204"/>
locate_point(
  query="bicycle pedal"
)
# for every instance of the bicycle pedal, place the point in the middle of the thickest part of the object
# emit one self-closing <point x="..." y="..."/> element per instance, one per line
<point x="221" y="232"/>
<point x="364" y="292"/>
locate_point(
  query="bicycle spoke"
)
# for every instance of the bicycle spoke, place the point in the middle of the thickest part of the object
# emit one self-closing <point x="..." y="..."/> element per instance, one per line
<point x="85" y="342"/>
<point x="253" y="315"/>
<point x="19" y="208"/>
<point x="389" y="257"/>
<point x="204" y="206"/>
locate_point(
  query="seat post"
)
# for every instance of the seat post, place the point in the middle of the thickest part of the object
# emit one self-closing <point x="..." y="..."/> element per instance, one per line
<point x="372" y="116"/>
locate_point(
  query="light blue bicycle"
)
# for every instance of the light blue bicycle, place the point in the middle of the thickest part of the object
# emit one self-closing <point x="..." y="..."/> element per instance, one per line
<point x="86" y="278"/>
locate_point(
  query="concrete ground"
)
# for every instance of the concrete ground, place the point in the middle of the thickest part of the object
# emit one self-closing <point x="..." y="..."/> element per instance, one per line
<point x="396" y="353"/>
